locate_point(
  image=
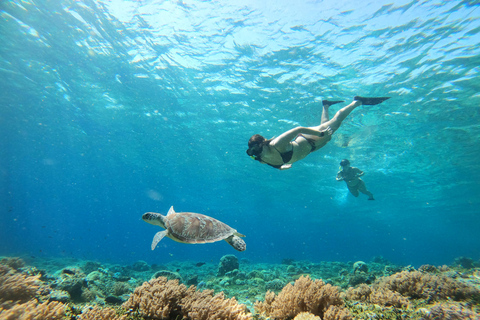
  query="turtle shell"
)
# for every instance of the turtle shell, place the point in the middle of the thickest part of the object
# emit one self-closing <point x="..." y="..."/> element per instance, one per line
<point x="189" y="227"/>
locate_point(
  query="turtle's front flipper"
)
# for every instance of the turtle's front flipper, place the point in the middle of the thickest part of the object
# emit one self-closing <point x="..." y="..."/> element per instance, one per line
<point x="158" y="236"/>
<point x="236" y="242"/>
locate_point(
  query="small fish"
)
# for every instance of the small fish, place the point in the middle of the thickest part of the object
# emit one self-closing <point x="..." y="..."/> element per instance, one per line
<point x="199" y="264"/>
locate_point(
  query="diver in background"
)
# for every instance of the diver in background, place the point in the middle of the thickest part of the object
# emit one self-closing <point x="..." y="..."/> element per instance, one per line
<point x="297" y="143"/>
<point x="351" y="176"/>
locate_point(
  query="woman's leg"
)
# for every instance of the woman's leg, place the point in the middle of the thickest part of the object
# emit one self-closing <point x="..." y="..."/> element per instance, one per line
<point x="363" y="189"/>
<point x="353" y="190"/>
<point x="336" y="121"/>
<point x="325" y="116"/>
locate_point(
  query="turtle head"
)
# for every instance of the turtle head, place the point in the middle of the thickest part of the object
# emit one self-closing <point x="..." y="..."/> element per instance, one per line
<point x="154" y="218"/>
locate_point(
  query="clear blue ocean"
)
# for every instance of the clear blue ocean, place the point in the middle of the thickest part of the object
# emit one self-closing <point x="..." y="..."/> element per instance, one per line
<point x="110" y="109"/>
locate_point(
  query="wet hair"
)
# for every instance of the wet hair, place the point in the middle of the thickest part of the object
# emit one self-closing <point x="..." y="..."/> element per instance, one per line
<point x="256" y="139"/>
<point x="256" y="144"/>
<point x="344" y="162"/>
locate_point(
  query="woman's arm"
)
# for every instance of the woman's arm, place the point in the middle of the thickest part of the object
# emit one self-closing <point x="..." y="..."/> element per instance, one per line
<point x="358" y="172"/>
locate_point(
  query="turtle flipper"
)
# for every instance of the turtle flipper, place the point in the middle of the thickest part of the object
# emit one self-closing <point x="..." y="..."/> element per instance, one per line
<point x="158" y="236"/>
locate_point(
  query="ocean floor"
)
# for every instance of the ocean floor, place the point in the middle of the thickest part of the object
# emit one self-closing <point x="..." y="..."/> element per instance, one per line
<point x="34" y="288"/>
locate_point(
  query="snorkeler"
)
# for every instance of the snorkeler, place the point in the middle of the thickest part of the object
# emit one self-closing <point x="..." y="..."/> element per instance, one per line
<point x="351" y="176"/>
<point x="297" y="143"/>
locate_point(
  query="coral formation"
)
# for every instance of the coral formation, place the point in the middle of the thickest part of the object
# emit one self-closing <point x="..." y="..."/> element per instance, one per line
<point x="13" y="262"/>
<point x="31" y="310"/>
<point x="305" y="295"/>
<point x="418" y="285"/>
<point x="450" y="312"/>
<point x="227" y="263"/>
<point x="167" y="299"/>
<point x="16" y="286"/>
<point x="360" y="266"/>
<point x="96" y="313"/>
<point x="306" y="316"/>
<point x="205" y="305"/>
<point x="381" y="296"/>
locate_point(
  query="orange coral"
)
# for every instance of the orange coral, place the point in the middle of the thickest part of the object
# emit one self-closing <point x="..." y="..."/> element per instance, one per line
<point x="305" y="295"/>
<point x="31" y="310"/>
<point x="167" y="299"/>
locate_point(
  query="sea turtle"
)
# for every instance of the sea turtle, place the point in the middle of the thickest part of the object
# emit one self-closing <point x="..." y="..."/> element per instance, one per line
<point x="189" y="227"/>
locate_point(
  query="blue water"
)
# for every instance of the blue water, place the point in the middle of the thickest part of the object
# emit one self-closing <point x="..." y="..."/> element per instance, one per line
<point x="111" y="109"/>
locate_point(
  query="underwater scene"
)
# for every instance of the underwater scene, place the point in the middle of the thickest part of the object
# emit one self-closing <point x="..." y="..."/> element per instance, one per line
<point x="239" y="159"/>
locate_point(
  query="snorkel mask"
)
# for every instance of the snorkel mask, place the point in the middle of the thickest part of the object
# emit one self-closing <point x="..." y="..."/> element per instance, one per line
<point x="344" y="163"/>
<point x="254" y="151"/>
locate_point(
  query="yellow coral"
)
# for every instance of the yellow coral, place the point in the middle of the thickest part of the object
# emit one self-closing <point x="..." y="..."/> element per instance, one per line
<point x="97" y="313"/>
<point x="205" y="305"/>
<point x="380" y="296"/>
<point x="305" y="295"/>
<point x="158" y="298"/>
<point x="306" y="316"/>
<point x="31" y="310"/>
<point x="16" y="286"/>
<point x="418" y="285"/>
<point x="167" y="299"/>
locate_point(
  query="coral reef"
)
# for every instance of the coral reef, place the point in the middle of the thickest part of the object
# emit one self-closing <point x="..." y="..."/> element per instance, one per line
<point x="227" y="263"/>
<point x="305" y="295"/>
<point x="418" y="285"/>
<point x="167" y="299"/>
<point x="360" y="266"/>
<point x="433" y="292"/>
<point x="13" y="262"/>
<point x="451" y="312"/>
<point x="31" y="310"/>
<point x="15" y="286"/>
<point x="204" y="305"/>
<point x="96" y="313"/>
<point x="306" y="316"/>
<point x="381" y="296"/>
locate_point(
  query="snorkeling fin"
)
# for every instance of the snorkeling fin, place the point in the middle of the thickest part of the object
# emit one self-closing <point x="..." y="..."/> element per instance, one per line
<point x="370" y="101"/>
<point x="328" y="103"/>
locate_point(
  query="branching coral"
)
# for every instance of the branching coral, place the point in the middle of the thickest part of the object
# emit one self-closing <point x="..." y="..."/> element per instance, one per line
<point x="158" y="298"/>
<point x="418" y="285"/>
<point x="450" y="311"/>
<point x="380" y="296"/>
<point x="167" y="299"/>
<point x="205" y="305"/>
<point x="98" y="313"/>
<point x="306" y="316"/>
<point x="31" y="310"/>
<point x="305" y="295"/>
<point x="16" y="286"/>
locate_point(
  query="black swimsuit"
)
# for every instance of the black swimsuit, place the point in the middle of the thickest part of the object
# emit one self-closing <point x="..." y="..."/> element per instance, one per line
<point x="287" y="156"/>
